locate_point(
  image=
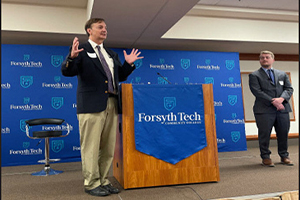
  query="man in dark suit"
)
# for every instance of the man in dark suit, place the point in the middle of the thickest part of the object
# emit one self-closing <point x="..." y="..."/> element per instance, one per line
<point x="272" y="90"/>
<point x="99" y="72"/>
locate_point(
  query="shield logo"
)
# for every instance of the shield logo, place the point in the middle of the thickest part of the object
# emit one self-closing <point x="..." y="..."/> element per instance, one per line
<point x="235" y="136"/>
<point x="185" y="63"/>
<point x="209" y="80"/>
<point x="26" y="144"/>
<point x="56" y="60"/>
<point x="138" y="79"/>
<point x="26" y="81"/>
<point x="162" y="81"/>
<point x="57" y="102"/>
<point x="233" y="115"/>
<point x="57" y="145"/>
<point x="57" y="79"/>
<point x="161" y="61"/>
<point x="26" y="100"/>
<point x="232" y="99"/>
<point x="23" y="125"/>
<point x="138" y="63"/>
<point x="169" y="103"/>
<point x="229" y="64"/>
<point x="186" y="79"/>
<point x="26" y="57"/>
<point x="207" y="61"/>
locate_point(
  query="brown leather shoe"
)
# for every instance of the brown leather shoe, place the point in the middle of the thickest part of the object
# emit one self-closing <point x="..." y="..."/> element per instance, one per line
<point x="287" y="161"/>
<point x="267" y="162"/>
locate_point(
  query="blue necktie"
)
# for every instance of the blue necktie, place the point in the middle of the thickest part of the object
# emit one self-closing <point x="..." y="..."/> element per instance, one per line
<point x="271" y="75"/>
<point x="107" y="70"/>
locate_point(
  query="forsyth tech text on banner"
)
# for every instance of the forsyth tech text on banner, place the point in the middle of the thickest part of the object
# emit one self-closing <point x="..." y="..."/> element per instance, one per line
<point x="169" y="120"/>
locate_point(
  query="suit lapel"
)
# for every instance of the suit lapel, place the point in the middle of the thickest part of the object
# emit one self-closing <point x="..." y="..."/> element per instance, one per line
<point x="275" y="76"/>
<point x="266" y="77"/>
<point x="88" y="47"/>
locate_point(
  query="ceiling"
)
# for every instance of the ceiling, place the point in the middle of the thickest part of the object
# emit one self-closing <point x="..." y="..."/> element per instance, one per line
<point x="141" y="24"/>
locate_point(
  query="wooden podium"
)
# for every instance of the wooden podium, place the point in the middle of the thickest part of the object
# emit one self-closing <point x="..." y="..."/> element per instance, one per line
<point x="134" y="169"/>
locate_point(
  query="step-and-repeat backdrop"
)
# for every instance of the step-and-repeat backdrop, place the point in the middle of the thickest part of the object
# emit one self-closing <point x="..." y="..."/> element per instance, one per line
<point x="32" y="86"/>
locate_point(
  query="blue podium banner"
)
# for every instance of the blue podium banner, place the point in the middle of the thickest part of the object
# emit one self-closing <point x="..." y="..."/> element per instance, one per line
<point x="169" y="120"/>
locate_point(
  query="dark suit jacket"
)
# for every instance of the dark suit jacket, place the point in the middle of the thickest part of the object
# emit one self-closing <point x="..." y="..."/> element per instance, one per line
<point x="92" y="80"/>
<point x="264" y="90"/>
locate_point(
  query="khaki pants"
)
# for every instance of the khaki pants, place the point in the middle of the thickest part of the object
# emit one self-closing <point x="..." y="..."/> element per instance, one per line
<point x="97" y="142"/>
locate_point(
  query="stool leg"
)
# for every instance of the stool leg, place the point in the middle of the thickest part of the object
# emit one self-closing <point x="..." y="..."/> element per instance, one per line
<point x="47" y="170"/>
<point x="47" y="151"/>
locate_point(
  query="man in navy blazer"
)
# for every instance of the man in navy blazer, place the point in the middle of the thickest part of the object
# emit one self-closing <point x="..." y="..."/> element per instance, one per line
<point x="272" y="90"/>
<point x="99" y="71"/>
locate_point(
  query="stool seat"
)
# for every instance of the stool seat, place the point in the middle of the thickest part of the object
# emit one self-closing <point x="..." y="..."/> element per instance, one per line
<point x="44" y="134"/>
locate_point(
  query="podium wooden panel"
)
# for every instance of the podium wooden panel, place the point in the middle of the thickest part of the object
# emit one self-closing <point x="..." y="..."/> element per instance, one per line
<point x="134" y="169"/>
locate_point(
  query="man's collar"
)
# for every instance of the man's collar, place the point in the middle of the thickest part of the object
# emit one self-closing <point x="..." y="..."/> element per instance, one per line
<point x="94" y="44"/>
<point x="267" y="69"/>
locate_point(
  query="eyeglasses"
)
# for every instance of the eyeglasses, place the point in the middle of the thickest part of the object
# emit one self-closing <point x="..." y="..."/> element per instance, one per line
<point x="264" y="57"/>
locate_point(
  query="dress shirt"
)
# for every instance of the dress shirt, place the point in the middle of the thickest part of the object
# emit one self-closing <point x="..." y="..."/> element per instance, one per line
<point x="109" y="60"/>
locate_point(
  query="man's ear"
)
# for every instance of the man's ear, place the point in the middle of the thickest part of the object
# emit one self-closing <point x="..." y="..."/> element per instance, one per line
<point x="89" y="30"/>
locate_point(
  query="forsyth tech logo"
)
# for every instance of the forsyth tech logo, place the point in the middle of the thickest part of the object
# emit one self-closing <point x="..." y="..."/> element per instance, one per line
<point x="186" y="80"/>
<point x="23" y="125"/>
<point x="162" y="65"/>
<point x="57" y="145"/>
<point x="169" y="103"/>
<point x="26" y="81"/>
<point x="26" y="100"/>
<point x="26" y="62"/>
<point x="207" y="61"/>
<point x="57" y="102"/>
<point x="209" y="80"/>
<point x="185" y="63"/>
<point x="26" y="145"/>
<point x="229" y="64"/>
<point x="56" y="60"/>
<point x="235" y="136"/>
<point x="232" y="99"/>
<point x="26" y="57"/>
<point x="136" y="79"/>
<point x="138" y="63"/>
<point x="162" y="81"/>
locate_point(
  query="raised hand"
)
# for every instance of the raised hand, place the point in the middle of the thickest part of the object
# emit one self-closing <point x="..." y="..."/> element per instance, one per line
<point x="133" y="56"/>
<point x="75" y="51"/>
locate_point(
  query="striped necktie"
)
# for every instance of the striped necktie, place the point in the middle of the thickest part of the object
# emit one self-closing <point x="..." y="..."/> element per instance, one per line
<point x="107" y="70"/>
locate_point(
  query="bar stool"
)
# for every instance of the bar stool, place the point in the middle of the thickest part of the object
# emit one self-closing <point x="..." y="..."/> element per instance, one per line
<point x="46" y="134"/>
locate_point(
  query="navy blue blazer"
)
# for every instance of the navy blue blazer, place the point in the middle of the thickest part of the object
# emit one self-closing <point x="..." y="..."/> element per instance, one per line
<point x="92" y="86"/>
<point x="265" y="90"/>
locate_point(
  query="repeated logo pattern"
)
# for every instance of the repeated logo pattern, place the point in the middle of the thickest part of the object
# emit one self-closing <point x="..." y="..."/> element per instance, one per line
<point x="33" y="86"/>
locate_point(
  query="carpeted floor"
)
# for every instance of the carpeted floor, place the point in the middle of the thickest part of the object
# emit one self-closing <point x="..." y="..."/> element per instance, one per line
<point x="241" y="174"/>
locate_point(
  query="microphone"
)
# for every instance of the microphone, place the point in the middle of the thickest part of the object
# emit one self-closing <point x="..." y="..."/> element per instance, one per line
<point x="164" y="78"/>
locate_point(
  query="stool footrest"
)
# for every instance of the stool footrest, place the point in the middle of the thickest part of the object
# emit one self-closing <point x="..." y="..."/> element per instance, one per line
<point x="50" y="160"/>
